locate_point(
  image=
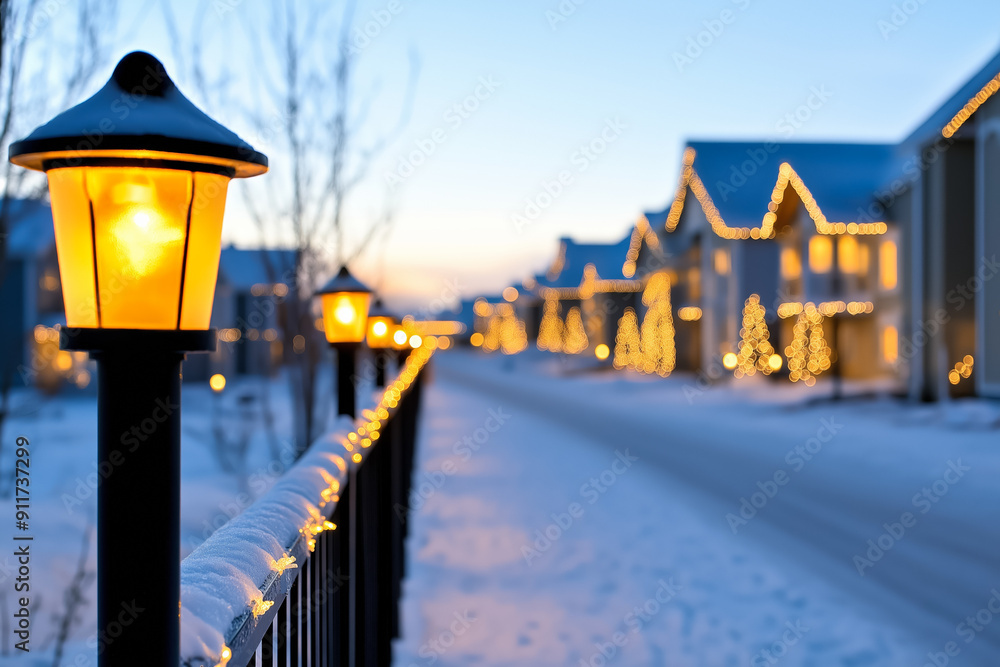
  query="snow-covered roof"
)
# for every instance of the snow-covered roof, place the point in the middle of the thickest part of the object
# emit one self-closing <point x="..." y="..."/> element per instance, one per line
<point x="978" y="85"/>
<point x="740" y="177"/>
<point x="30" y="230"/>
<point x="138" y="108"/>
<point x="243" y="268"/>
<point x="567" y="270"/>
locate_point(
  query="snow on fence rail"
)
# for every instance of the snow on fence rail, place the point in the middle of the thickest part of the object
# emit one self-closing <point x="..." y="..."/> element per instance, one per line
<point x="284" y="583"/>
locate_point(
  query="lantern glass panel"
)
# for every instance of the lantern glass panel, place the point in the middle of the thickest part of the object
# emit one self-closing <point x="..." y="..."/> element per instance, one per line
<point x="345" y="316"/>
<point x="380" y="330"/>
<point x="138" y="247"/>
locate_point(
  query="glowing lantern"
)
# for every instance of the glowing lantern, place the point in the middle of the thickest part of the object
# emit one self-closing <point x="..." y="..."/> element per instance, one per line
<point x="138" y="202"/>
<point x="381" y="326"/>
<point x="345" y="302"/>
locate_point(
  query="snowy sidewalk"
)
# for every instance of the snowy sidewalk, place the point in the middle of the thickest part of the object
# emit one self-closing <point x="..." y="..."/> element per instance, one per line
<point x="544" y="538"/>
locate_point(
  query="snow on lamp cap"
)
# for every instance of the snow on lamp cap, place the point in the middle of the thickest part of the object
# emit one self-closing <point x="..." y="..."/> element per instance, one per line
<point x="139" y="113"/>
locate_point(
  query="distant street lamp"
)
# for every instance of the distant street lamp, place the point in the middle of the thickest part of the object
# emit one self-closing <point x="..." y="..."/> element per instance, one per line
<point x="345" y="302"/>
<point x="137" y="178"/>
<point x="381" y="324"/>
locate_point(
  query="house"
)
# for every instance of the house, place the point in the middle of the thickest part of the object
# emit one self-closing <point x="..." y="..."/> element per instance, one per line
<point x="587" y="276"/>
<point x="31" y="295"/>
<point x="945" y="188"/>
<point x="786" y="224"/>
<point x="249" y="292"/>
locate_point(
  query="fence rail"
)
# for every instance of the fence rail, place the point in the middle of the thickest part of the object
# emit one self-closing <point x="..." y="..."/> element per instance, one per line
<point x="311" y="573"/>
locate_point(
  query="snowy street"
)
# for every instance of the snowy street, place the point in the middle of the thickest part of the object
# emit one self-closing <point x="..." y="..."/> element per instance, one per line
<point x="551" y="530"/>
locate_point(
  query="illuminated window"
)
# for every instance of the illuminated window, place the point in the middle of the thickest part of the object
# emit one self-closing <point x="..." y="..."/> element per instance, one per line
<point x="890" y="344"/>
<point x="847" y="254"/>
<point x="820" y="254"/>
<point x="694" y="283"/>
<point x="791" y="264"/>
<point x="863" y="259"/>
<point x="887" y="265"/>
<point x="721" y="257"/>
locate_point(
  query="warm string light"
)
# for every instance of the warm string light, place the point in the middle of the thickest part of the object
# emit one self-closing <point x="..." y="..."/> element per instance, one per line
<point x="641" y="232"/>
<point x="505" y="331"/>
<point x="627" y="352"/>
<point x="286" y="562"/>
<point x="827" y="308"/>
<point x="550" y="330"/>
<point x="689" y="313"/>
<point x="962" y="370"/>
<point x="786" y="176"/>
<point x="985" y="93"/>
<point x="809" y="354"/>
<point x="755" y="350"/>
<point x="659" y="354"/>
<point x="260" y="606"/>
<point x="575" y="338"/>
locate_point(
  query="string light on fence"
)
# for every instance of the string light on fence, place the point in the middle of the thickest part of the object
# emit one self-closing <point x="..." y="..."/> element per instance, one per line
<point x="286" y="562"/>
<point x="260" y="607"/>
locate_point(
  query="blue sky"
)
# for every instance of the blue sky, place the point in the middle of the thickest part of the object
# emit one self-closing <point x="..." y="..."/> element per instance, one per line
<point x="559" y="80"/>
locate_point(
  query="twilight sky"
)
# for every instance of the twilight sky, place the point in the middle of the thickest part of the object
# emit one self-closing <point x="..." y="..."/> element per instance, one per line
<point x="542" y="79"/>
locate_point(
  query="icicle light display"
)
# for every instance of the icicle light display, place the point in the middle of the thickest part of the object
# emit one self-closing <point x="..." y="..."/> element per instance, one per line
<point x="809" y="354"/>
<point x="627" y="352"/>
<point x="659" y="353"/>
<point x="550" y="331"/>
<point x="574" y="335"/>
<point x="755" y="350"/>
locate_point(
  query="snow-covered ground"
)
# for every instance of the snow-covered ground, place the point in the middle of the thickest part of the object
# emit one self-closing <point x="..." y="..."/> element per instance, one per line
<point x="603" y="522"/>
<point x="565" y="515"/>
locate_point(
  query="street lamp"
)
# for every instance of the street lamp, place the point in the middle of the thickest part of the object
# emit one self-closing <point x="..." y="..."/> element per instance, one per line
<point x="138" y="177"/>
<point x="345" y="302"/>
<point x="380" y="329"/>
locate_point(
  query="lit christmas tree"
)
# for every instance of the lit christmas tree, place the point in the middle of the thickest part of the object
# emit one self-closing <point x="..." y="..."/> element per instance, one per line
<point x="755" y="350"/>
<point x="491" y="339"/>
<point x="574" y="335"/>
<point x="550" y="331"/>
<point x="513" y="337"/>
<point x="809" y="354"/>
<point x="627" y="352"/>
<point x="659" y="354"/>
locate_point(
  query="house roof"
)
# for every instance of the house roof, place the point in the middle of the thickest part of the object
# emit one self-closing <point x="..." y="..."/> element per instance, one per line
<point x="244" y="268"/>
<point x="741" y="177"/>
<point x="30" y="231"/>
<point x="948" y="118"/>
<point x="567" y="270"/>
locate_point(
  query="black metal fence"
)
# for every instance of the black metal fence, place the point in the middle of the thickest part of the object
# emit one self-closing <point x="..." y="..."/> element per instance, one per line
<point x="339" y="604"/>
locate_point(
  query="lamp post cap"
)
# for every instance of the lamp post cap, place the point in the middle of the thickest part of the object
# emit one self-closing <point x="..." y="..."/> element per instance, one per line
<point x="344" y="282"/>
<point x="378" y="309"/>
<point x="138" y="113"/>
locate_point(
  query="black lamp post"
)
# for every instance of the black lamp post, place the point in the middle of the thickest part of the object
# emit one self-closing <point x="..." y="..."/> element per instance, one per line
<point x="381" y="324"/>
<point x="137" y="178"/>
<point x="345" y="302"/>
